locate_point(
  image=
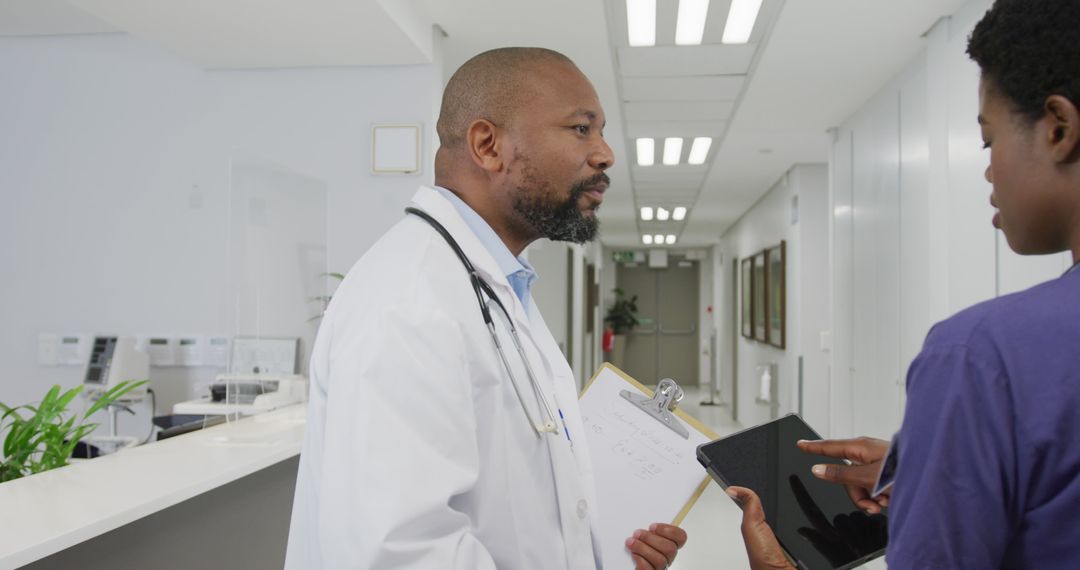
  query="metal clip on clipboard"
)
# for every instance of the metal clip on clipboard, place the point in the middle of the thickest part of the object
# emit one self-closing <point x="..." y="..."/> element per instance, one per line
<point x="664" y="401"/>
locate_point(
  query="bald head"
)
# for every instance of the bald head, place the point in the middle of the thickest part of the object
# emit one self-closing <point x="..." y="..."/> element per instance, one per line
<point x="491" y="86"/>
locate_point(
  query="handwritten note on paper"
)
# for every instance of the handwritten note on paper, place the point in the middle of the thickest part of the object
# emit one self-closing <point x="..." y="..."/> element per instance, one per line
<point x="645" y="472"/>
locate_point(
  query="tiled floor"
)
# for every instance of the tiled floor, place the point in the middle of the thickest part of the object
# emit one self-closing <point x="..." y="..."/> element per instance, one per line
<point x="713" y="524"/>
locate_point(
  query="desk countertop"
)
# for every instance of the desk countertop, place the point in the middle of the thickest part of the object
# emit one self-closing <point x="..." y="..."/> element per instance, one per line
<point x="51" y="511"/>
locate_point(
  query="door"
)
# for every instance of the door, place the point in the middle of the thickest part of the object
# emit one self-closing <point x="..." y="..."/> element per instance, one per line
<point x="665" y="344"/>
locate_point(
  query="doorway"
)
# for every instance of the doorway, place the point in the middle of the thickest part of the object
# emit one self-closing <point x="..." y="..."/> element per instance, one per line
<point x="665" y="343"/>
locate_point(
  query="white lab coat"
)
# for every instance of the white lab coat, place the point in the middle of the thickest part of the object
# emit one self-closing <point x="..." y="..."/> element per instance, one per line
<point x="417" y="452"/>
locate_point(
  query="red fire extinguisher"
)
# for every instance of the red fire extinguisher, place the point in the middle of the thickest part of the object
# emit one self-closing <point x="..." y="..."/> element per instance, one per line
<point x="608" y="343"/>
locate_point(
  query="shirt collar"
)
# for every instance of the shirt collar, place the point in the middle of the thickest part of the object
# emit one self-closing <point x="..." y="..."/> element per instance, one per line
<point x="508" y="264"/>
<point x="1072" y="269"/>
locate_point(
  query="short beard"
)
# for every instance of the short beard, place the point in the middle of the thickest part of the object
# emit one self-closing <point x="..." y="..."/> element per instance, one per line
<point x="559" y="221"/>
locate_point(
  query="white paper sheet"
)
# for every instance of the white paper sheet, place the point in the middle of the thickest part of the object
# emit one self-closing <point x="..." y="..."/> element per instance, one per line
<point x="645" y="472"/>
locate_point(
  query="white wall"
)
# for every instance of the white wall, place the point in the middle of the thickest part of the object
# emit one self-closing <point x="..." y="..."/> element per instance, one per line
<point x="551" y="291"/>
<point x="768" y="222"/>
<point x="115" y="181"/>
<point x="911" y="237"/>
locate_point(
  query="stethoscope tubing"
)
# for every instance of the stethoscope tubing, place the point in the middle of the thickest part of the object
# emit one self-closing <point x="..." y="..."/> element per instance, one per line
<point x="481" y="288"/>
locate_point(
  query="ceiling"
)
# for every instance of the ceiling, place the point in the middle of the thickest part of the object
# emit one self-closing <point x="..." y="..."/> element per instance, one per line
<point x="768" y="104"/>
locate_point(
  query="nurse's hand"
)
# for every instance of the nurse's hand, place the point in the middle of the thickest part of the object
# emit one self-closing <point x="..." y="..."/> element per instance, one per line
<point x="865" y="454"/>
<point x="762" y="548"/>
<point x="655" y="549"/>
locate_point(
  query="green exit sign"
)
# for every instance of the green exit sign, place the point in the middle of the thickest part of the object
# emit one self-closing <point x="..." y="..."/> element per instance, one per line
<point x="623" y="256"/>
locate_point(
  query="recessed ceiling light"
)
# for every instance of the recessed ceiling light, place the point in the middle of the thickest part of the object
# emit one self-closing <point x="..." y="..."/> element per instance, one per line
<point x="672" y="150"/>
<point x="670" y="239"/>
<point x="658" y="239"/>
<point x="646" y="213"/>
<point x="646" y="239"/>
<point x="699" y="151"/>
<point x="690" y="23"/>
<point x="641" y="22"/>
<point x="646" y="148"/>
<point x="740" y="21"/>
<point x="679" y="214"/>
<point x="662" y="214"/>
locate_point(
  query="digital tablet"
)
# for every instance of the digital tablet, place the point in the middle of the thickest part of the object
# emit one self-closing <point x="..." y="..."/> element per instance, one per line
<point x="814" y="520"/>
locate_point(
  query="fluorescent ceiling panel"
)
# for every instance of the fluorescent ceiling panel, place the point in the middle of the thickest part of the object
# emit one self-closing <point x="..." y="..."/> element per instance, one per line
<point x="658" y="238"/>
<point x="740" y="21"/>
<point x="646" y="214"/>
<point x="670" y="239"/>
<point x="662" y="214"/>
<point x="641" y="22"/>
<point x="690" y="25"/>
<point x="679" y="214"/>
<point x="699" y="151"/>
<point x="646" y="239"/>
<point x="646" y="149"/>
<point x="672" y="150"/>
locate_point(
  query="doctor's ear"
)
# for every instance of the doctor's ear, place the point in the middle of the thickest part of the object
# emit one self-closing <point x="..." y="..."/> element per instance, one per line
<point x="1064" y="132"/>
<point x="482" y="142"/>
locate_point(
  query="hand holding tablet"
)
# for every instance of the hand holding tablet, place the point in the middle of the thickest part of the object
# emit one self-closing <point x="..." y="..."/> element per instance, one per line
<point x="813" y="519"/>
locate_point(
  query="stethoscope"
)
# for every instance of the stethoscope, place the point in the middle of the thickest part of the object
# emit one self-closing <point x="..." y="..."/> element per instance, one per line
<point x="481" y="288"/>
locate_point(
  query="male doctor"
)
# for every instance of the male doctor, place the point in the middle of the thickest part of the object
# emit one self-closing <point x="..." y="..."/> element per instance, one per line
<point x="419" y="451"/>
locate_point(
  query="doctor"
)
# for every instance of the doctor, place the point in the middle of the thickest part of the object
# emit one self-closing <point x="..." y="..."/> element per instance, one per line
<point x="426" y="446"/>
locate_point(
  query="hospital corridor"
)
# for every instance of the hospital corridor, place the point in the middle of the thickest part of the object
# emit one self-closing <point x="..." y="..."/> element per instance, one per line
<point x="523" y="284"/>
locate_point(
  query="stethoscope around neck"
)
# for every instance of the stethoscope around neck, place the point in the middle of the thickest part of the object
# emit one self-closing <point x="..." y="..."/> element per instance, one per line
<point x="545" y="424"/>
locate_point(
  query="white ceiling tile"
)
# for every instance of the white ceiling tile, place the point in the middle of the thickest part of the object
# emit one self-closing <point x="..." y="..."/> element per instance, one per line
<point x="678" y="110"/>
<point x="240" y="35"/>
<point x="666" y="61"/>
<point x="47" y="18"/>
<point x="695" y="88"/>
<point x="661" y="129"/>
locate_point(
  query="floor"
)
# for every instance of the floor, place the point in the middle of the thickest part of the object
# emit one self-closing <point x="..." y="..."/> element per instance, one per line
<point x="715" y="542"/>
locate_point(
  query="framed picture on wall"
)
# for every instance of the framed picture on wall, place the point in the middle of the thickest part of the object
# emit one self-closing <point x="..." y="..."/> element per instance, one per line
<point x="758" y="301"/>
<point x="776" y="293"/>
<point x="747" y="305"/>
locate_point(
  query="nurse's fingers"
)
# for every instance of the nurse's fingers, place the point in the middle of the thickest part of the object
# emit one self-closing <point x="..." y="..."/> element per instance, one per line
<point x="863" y="476"/>
<point x="859" y="450"/>
<point x="762" y="548"/>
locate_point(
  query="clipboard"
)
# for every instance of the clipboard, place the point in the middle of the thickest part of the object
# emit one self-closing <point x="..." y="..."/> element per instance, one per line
<point x="644" y="457"/>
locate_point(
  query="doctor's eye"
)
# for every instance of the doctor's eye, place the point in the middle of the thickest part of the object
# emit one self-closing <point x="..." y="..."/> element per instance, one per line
<point x="581" y="129"/>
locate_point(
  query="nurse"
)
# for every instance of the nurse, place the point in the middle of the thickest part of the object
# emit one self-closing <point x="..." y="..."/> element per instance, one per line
<point x="422" y="449"/>
<point x="989" y="459"/>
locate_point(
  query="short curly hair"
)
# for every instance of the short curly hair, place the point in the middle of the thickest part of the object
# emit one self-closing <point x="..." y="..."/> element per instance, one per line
<point x="1030" y="50"/>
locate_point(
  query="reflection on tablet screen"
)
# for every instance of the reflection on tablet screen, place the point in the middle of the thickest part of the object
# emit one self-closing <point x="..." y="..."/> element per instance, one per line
<point x="814" y="520"/>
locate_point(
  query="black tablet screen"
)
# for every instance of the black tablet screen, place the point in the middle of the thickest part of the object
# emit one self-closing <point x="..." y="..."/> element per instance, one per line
<point x="814" y="520"/>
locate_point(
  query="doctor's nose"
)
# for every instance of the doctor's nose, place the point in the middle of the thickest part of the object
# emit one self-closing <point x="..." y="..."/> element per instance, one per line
<point x="602" y="157"/>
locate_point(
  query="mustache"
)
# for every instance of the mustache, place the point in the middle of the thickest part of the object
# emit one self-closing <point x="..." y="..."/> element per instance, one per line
<point x="579" y="187"/>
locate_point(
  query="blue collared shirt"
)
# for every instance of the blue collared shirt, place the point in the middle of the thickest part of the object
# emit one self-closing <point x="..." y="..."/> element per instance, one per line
<point x="518" y="272"/>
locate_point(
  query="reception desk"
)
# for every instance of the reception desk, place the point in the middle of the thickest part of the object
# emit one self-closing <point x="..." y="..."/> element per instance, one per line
<point x="214" y="498"/>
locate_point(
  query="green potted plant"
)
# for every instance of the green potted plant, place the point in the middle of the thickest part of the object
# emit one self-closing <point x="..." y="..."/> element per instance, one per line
<point x="621" y="318"/>
<point x="42" y="437"/>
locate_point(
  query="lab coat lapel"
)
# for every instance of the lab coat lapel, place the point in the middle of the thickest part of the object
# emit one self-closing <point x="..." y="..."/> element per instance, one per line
<point x="574" y="483"/>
